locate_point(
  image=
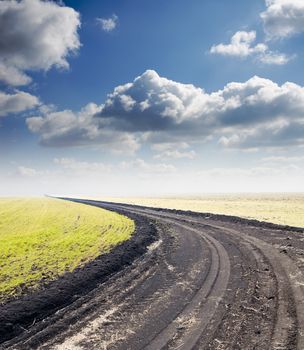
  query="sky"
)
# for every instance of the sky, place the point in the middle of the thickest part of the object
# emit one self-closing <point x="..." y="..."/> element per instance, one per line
<point x="142" y="98"/>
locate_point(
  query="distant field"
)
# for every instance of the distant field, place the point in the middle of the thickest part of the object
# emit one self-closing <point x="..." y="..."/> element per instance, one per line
<point x="41" y="239"/>
<point x="285" y="209"/>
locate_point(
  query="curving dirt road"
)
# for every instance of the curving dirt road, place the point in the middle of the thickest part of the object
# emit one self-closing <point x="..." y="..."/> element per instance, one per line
<point x="208" y="282"/>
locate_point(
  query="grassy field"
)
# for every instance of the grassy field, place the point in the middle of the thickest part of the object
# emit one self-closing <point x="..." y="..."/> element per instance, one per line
<point x="285" y="209"/>
<point x="41" y="239"/>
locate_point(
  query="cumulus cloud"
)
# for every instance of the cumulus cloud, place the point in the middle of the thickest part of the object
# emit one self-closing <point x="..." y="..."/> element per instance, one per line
<point x="154" y="109"/>
<point x="242" y="45"/>
<point x="279" y="134"/>
<point x="152" y="103"/>
<point x="259" y="100"/>
<point x="13" y="76"/>
<point x="276" y="58"/>
<point x="159" y="104"/>
<point x="35" y="35"/>
<point x="283" y="18"/>
<point x="67" y="129"/>
<point x="108" y="24"/>
<point x="17" y="102"/>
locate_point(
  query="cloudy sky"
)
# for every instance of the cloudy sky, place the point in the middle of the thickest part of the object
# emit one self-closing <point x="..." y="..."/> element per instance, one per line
<point x="161" y="97"/>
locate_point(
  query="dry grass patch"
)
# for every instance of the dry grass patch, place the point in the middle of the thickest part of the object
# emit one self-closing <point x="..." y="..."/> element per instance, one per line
<point x="285" y="209"/>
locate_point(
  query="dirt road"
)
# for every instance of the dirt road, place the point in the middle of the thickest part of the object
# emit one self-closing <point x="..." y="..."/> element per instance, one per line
<point x="208" y="282"/>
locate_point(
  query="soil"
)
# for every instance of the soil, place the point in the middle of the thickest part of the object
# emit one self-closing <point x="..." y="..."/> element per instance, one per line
<point x="184" y="281"/>
<point x="19" y="315"/>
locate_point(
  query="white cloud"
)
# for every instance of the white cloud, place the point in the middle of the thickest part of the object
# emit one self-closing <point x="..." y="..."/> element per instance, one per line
<point x="13" y="76"/>
<point x="240" y="172"/>
<point x="108" y="24"/>
<point x="35" y="35"/>
<point x="183" y="108"/>
<point x="173" y="151"/>
<point x="277" y="134"/>
<point x="81" y="166"/>
<point x="283" y="159"/>
<point x="175" y="154"/>
<point x="271" y="57"/>
<point x="255" y="113"/>
<point x="27" y="172"/>
<point x="169" y="146"/>
<point x="242" y="45"/>
<point x="157" y="103"/>
<point x="66" y="124"/>
<point x="17" y="102"/>
<point x="283" y="18"/>
<point x="67" y="129"/>
<point x="146" y="167"/>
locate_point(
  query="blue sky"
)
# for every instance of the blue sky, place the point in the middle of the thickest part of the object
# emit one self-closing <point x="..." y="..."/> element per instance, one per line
<point x="239" y="126"/>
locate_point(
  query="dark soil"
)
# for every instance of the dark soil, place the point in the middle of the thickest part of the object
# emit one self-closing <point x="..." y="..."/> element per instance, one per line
<point x="19" y="314"/>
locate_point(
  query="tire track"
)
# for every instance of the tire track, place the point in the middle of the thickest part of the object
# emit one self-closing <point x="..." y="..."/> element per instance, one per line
<point x="286" y="273"/>
<point x="205" y="320"/>
<point x="210" y="295"/>
<point x="288" y="330"/>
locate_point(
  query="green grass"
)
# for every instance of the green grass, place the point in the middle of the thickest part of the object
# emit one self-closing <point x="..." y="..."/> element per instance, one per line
<point x="40" y="239"/>
<point x="285" y="209"/>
